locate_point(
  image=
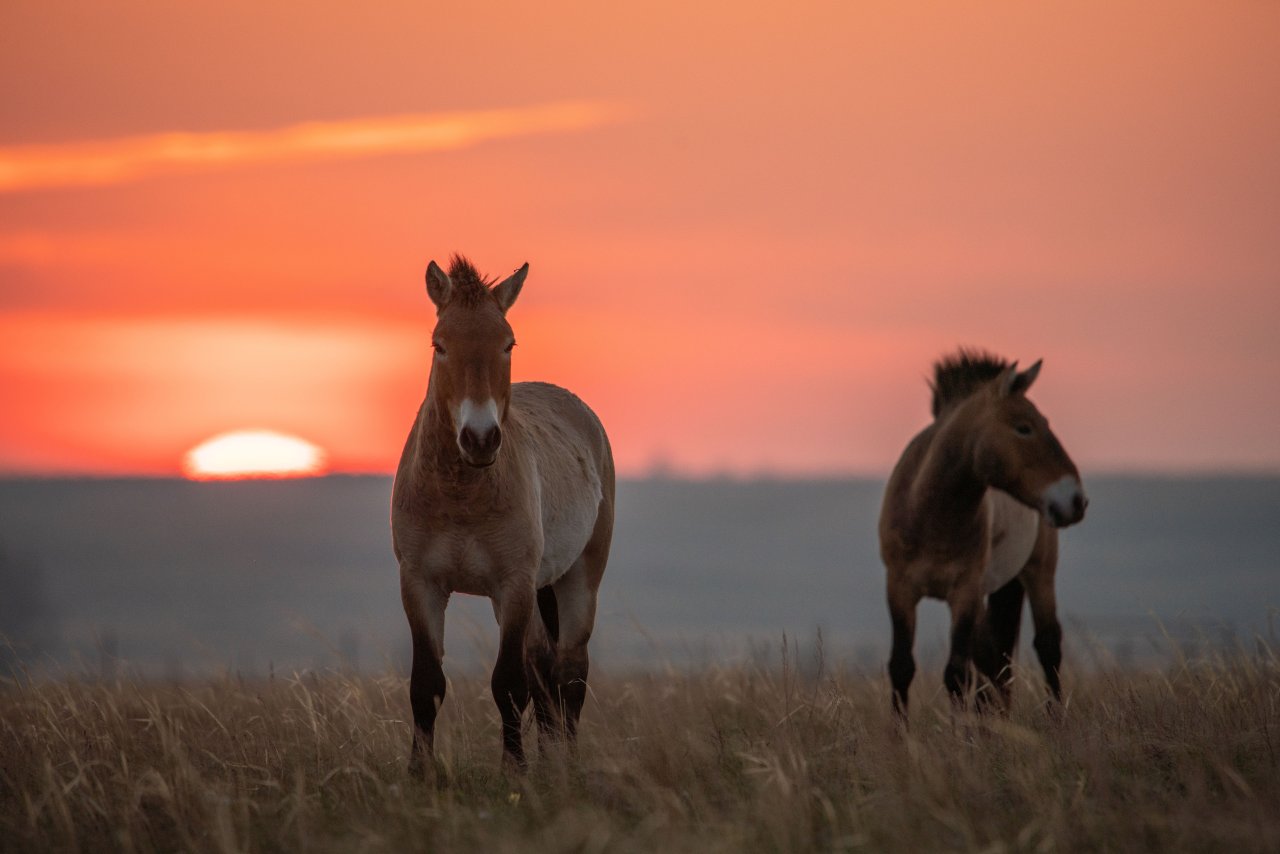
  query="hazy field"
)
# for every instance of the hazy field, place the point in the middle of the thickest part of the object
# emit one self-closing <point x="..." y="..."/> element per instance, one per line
<point x="179" y="578"/>
<point x="712" y="760"/>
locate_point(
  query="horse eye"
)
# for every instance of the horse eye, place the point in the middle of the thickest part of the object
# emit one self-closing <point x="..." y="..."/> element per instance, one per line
<point x="438" y="347"/>
<point x="509" y="346"/>
<point x="1023" y="429"/>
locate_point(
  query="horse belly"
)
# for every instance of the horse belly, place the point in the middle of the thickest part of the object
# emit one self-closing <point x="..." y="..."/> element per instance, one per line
<point x="1013" y="532"/>
<point x="566" y="527"/>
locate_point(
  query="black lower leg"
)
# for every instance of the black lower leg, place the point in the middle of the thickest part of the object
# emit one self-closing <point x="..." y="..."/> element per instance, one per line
<point x="957" y="674"/>
<point x="571" y="685"/>
<point x="1048" y="644"/>
<point x="510" y="689"/>
<point x="549" y="610"/>
<point x="542" y="689"/>
<point x="902" y="669"/>
<point x="994" y="645"/>
<point x="426" y="693"/>
<point x="542" y="666"/>
<point x="902" y="665"/>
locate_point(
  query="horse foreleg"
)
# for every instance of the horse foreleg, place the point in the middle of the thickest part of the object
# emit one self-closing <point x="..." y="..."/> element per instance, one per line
<point x="424" y="606"/>
<point x="1038" y="579"/>
<point x="510" y="682"/>
<point x="902" y="665"/>
<point x="966" y="608"/>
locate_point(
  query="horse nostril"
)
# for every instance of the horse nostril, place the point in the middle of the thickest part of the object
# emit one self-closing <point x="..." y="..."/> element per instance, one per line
<point x="469" y="441"/>
<point x="491" y="440"/>
<point x="483" y="444"/>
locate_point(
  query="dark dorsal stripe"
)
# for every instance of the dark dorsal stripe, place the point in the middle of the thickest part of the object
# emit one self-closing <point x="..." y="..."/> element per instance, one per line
<point x="960" y="375"/>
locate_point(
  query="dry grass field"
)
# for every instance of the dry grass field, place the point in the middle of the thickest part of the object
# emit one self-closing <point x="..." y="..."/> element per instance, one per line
<point x="716" y="760"/>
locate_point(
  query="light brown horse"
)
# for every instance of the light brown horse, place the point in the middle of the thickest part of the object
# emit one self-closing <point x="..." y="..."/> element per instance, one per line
<point x="504" y="491"/>
<point x="971" y="511"/>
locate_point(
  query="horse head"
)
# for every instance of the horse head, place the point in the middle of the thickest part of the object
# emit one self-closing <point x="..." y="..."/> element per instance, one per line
<point x="1016" y="452"/>
<point x="471" y="366"/>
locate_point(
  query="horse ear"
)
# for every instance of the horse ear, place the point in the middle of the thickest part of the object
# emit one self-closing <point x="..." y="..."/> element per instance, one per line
<point x="1023" y="381"/>
<point x="1007" y="380"/>
<point x="506" y="291"/>
<point x="439" y="288"/>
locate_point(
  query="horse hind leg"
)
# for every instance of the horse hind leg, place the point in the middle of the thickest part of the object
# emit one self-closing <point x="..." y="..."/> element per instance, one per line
<point x="994" y="647"/>
<point x="902" y="665"/>
<point x="542" y="665"/>
<point x="575" y="596"/>
<point x="577" y="605"/>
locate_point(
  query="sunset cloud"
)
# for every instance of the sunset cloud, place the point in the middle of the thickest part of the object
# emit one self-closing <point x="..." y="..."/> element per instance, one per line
<point x="116" y="161"/>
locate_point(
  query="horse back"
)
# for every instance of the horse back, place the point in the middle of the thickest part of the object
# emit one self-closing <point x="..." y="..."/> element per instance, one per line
<point x="899" y="541"/>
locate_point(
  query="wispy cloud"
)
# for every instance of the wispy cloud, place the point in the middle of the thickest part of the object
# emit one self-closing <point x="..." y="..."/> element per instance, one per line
<point x="116" y="161"/>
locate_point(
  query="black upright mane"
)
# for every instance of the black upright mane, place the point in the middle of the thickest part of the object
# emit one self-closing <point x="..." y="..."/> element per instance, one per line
<point x="469" y="287"/>
<point x="960" y="375"/>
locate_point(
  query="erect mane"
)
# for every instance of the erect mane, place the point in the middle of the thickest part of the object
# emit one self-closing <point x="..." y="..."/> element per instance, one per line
<point x="469" y="287"/>
<point x="958" y="376"/>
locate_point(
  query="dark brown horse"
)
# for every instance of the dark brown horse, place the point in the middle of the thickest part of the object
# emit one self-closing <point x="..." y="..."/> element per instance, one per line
<point x="504" y="491"/>
<point x="970" y="516"/>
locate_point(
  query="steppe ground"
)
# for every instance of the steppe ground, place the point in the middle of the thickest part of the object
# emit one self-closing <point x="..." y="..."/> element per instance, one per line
<point x="1183" y="758"/>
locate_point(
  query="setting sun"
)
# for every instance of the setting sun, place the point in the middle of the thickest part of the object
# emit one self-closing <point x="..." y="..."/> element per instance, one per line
<point x="253" y="453"/>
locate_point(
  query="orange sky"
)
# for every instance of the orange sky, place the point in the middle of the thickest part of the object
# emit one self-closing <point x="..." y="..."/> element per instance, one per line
<point x="750" y="227"/>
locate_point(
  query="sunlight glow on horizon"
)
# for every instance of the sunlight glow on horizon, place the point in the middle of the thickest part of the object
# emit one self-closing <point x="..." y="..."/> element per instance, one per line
<point x="116" y="161"/>
<point x="253" y="454"/>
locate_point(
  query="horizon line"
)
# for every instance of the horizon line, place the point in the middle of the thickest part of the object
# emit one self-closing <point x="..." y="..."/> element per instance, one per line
<point x="761" y="476"/>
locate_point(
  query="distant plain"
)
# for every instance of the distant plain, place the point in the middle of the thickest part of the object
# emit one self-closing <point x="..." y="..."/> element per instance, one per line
<point x="175" y="578"/>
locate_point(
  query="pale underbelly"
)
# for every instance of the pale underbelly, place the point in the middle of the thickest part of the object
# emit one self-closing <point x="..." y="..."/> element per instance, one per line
<point x="569" y="504"/>
<point x="564" y="541"/>
<point x="1014" y="528"/>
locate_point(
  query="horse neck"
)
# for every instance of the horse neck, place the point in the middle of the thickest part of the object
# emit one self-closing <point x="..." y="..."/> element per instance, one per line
<point x="948" y="485"/>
